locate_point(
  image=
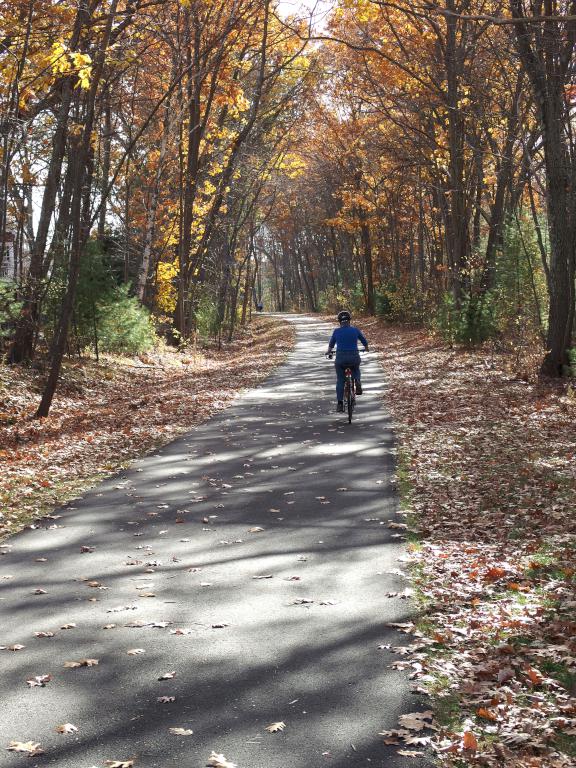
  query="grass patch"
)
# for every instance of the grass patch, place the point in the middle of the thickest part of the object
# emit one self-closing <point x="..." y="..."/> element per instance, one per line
<point x="566" y="744"/>
<point x="561" y="673"/>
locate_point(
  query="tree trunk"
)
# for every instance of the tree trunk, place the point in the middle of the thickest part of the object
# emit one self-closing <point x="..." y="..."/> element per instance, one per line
<point x="548" y="60"/>
<point x="23" y="344"/>
<point x="80" y="160"/>
<point x="368" y="268"/>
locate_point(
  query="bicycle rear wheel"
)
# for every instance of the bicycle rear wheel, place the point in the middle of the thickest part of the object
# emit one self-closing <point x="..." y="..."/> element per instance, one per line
<point x="350" y="398"/>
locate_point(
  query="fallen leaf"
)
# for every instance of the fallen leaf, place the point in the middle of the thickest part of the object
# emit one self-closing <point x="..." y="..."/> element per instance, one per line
<point x="135" y="651"/>
<point x="66" y="728"/>
<point x="167" y="676"/>
<point x="409" y="753"/>
<point x="181" y="731"/>
<point x="165" y="699"/>
<point x="16" y="647"/>
<point x="119" y="763"/>
<point x="495" y="573"/>
<point x="219" y="761"/>
<point x="81" y="663"/>
<point x="419" y="741"/>
<point x="275" y="727"/>
<point x="535" y="676"/>
<point x="469" y="741"/>
<point x="30" y="747"/>
<point x="43" y="634"/>
<point x="39" y="681"/>
<point x="487" y="714"/>
<point x="416" y="721"/>
<point x="255" y="529"/>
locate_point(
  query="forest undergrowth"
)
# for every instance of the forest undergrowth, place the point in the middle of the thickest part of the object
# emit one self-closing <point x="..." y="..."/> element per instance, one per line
<point x="108" y="413"/>
<point x="487" y="467"/>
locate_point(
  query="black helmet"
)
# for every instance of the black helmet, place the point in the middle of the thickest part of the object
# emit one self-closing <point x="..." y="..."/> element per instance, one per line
<point x="344" y="316"/>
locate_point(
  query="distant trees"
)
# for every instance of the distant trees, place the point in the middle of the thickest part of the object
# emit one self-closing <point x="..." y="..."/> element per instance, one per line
<point x="445" y="131"/>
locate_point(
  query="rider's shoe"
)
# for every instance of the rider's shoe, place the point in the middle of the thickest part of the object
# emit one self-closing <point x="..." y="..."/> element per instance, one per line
<point x="340" y="406"/>
<point x="358" y="388"/>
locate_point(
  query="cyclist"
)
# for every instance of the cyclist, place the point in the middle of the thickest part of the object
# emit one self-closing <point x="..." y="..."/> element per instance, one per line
<point x="345" y="339"/>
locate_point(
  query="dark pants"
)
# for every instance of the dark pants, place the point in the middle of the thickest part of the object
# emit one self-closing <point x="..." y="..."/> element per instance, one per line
<point x="346" y="360"/>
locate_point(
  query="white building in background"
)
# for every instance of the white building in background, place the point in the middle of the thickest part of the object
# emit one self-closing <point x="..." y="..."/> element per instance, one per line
<point x="7" y="265"/>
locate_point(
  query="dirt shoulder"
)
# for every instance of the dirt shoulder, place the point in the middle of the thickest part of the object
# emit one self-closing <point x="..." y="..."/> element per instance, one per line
<point x="106" y="414"/>
<point x="487" y="466"/>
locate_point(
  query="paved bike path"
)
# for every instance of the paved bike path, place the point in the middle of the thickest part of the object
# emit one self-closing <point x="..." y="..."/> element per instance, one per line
<point x="252" y="558"/>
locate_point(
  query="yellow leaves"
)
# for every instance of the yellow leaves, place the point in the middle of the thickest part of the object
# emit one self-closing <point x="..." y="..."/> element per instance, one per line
<point x="365" y="11"/>
<point x="208" y="188"/>
<point x="59" y="58"/>
<point x="241" y="103"/>
<point x="63" y="61"/>
<point x="166" y="295"/>
<point x="291" y="165"/>
<point x="83" y="65"/>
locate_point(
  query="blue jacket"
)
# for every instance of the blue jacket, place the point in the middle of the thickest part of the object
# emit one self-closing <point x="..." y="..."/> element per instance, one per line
<point x="346" y="339"/>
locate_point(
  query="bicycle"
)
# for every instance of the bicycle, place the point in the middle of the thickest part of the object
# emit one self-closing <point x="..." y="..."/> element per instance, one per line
<point x="349" y="391"/>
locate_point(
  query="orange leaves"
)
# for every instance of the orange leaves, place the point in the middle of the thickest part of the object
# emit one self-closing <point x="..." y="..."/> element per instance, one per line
<point x="469" y="741"/>
<point x="487" y="714"/>
<point x="535" y="677"/>
<point x="494" y="573"/>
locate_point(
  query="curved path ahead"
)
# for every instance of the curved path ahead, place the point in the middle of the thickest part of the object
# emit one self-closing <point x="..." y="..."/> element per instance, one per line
<point x="252" y="558"/>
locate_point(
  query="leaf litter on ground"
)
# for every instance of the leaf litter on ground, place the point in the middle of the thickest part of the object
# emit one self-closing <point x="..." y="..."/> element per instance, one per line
<point x="74" y="447"/>
<point x="487" y="467"/>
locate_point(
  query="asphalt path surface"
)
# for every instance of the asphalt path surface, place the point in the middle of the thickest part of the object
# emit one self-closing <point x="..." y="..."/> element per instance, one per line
<point x="251" y="558"/>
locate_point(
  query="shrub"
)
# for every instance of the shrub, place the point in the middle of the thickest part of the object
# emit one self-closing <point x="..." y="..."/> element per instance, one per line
<point x="472" y="322"/>
<point x="123" y="324"/>
<point x="9" y="310"/>
<point x="399" y="302"/>
<point x="206" y="316"/>
<point x="521" y="298"/>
